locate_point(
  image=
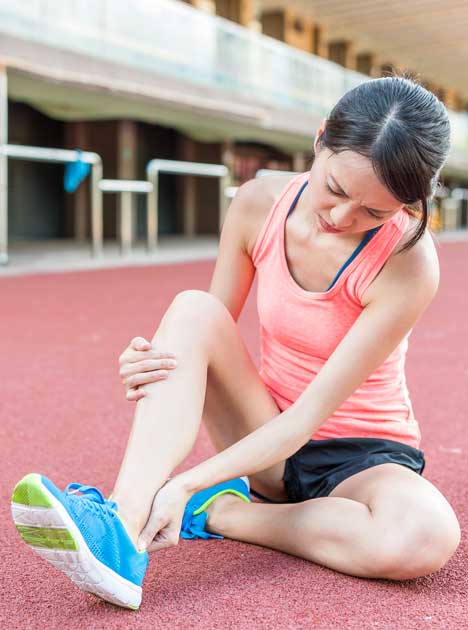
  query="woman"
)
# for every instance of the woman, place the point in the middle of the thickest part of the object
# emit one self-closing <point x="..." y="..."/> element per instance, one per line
<point x="325" y="433"/>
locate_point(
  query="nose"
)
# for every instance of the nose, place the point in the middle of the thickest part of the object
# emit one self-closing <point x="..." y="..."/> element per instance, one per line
<point x="342" y="215"/>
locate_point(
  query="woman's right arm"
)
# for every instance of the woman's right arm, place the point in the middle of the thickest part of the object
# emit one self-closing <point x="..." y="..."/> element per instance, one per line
<point x="232" y="278"/>
<point x="234" y="270"/>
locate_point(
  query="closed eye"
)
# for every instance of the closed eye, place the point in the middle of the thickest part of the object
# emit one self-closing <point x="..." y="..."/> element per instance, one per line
<point x="337" y="194"/>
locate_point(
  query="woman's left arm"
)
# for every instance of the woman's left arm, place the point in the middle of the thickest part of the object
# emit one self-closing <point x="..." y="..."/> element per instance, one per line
<point x="400" y="295"/>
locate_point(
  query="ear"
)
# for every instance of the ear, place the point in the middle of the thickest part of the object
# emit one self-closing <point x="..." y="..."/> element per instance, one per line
<point x="318" y="134"/>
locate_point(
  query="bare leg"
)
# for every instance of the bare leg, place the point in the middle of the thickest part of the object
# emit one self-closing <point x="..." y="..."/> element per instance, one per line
<point x="204" y="338"/>
<point x="215" y="379"/>
<point x="335" y="532"/>
<point x="166" y="422"/>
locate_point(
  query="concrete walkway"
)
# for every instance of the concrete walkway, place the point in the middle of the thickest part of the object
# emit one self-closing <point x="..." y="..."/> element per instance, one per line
<point x="60" y="255"/>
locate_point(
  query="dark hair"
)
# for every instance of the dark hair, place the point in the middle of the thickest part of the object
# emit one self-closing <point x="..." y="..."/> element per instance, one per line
<point x="403" y="129"/>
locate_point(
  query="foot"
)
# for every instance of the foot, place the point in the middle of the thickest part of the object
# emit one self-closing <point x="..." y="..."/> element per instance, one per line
<point x="82" y="536"/>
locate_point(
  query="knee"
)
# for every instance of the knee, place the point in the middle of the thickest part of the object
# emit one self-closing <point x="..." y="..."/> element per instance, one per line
<point x="426" y="548"/>
<point x="195" y="303"/>
<point x="196" y="308"/>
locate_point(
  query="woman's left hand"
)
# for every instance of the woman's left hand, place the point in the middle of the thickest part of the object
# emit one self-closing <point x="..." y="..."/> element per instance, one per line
<point x="165" y="520"/>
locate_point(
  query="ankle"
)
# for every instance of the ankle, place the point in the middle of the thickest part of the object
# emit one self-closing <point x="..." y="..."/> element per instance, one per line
<point x="219" y="513"/>
<point x="131" y="526"/>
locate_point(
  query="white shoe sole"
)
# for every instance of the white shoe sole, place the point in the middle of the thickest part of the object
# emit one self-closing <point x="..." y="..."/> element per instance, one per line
<point x="53" y="530"/>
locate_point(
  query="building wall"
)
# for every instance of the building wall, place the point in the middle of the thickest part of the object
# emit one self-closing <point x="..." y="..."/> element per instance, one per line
<point x="36" y="194"/>
<point x="155" y="141"/>
<point x="40" y="208"/>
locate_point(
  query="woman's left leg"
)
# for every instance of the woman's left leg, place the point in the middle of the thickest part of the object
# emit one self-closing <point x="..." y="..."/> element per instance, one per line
<point x="384" y="522"/>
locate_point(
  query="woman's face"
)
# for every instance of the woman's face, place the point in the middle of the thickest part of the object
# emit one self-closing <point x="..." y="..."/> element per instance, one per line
<point x="345" y="192"/>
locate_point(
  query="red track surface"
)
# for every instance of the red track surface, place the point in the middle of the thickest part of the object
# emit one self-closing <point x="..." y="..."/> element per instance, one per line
<point x="64" y="414"/>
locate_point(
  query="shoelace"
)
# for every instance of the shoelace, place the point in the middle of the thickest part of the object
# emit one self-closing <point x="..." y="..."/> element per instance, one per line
<point x="94" y="495"/>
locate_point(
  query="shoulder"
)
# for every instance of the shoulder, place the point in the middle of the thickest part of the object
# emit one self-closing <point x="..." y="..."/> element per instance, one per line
<point x="414" y="271"/>
<point x="254" y="200"/>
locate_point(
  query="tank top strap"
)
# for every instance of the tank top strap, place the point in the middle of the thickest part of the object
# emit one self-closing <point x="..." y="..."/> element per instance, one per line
<point x="267" y="235"/>
<point x="377" y="252"/>
<point x="354" y="255"/>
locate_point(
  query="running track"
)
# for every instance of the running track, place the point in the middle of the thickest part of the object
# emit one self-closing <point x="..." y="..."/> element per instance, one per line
<point x="64" y="414"/>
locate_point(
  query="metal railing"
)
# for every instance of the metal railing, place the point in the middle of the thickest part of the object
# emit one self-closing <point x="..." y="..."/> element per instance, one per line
<point x="126" y="188"/>
<point x="155" y="167"/>
<point x="454" y="203"/>
<point x="262" y="172"/>
<point x="40" y="154"/>
<point x="452" y="213"/>
<point x="230" y="191"/>
<point x="454" y="210"/>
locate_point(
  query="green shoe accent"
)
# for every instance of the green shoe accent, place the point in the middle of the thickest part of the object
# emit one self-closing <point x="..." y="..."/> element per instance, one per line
<point x="29" y="491"/>
<point x="215" y="496"/>
<point x="50" y="537"/>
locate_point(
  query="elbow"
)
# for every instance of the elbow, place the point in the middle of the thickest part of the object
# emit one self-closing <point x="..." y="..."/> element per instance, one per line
<point x="305" y="426"/>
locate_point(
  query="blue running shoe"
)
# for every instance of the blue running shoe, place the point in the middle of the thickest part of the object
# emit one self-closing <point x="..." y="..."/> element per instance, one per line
<point x="194" y="518"/>
<point x="82" y="535"/>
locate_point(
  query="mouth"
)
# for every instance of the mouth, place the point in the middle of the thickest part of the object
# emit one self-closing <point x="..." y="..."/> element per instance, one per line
<point x="327" y="227"/>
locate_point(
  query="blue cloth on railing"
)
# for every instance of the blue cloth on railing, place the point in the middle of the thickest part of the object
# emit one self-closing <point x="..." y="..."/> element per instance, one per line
<point x="75" y="173"/>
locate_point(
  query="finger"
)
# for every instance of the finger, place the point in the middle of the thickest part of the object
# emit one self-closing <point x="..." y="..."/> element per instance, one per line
<point x="167" y="537"/>
<point x="148" y="365"/>
<point x="161" y="544"/>
<point x="132" y="356"/>
<point x="140" y="343"/>
<point x="135" y="394"/>
<point x="146" y="378"/>
<point x="150" y="531"/>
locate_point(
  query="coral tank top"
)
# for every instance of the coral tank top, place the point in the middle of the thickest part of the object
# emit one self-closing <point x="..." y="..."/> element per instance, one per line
<point x="300" y="329"/>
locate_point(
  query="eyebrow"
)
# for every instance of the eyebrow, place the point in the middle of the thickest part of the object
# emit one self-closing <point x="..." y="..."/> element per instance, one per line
<point x="343" y="192"/>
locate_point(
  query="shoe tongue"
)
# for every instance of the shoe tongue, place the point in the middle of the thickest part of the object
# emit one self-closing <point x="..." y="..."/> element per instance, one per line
<point x="90" y="492"/>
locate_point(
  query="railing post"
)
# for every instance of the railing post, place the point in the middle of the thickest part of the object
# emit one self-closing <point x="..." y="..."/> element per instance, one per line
<point x="126" y="188"/>
<point x="126" y="222"/>
<point x="152" y="210"/>
<point x="96" y="207"/>
<point x="202" y="169"/>
<point x="224" y="183"/>
<point x="3" y="167"/>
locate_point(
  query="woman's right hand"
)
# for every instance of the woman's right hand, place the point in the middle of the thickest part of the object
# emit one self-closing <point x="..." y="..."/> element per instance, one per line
<point x="140" y="364"/>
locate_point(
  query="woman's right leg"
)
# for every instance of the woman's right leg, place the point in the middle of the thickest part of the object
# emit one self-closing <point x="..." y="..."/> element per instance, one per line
<point x="215" y="378"/>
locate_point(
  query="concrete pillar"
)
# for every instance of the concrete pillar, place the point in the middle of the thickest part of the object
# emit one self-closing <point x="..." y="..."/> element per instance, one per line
<point x="190" y="209"/>
<point x="240" y="11"/>
<point x="209" y="6"/>
<point x="386" y="69"/>
<point x="288" y="26"/>
<point x="366" y="63"/>
<point x="189" y="201"/>
<point x="3" y="167"/>
<point x="453" y="99"/>
<point x="342" y="52"/>
<point x="319" y="36"/>
<point x="127" y="141"/>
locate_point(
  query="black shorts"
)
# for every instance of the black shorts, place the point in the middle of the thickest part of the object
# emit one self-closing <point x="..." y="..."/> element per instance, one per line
<point x="320" y="465"/>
